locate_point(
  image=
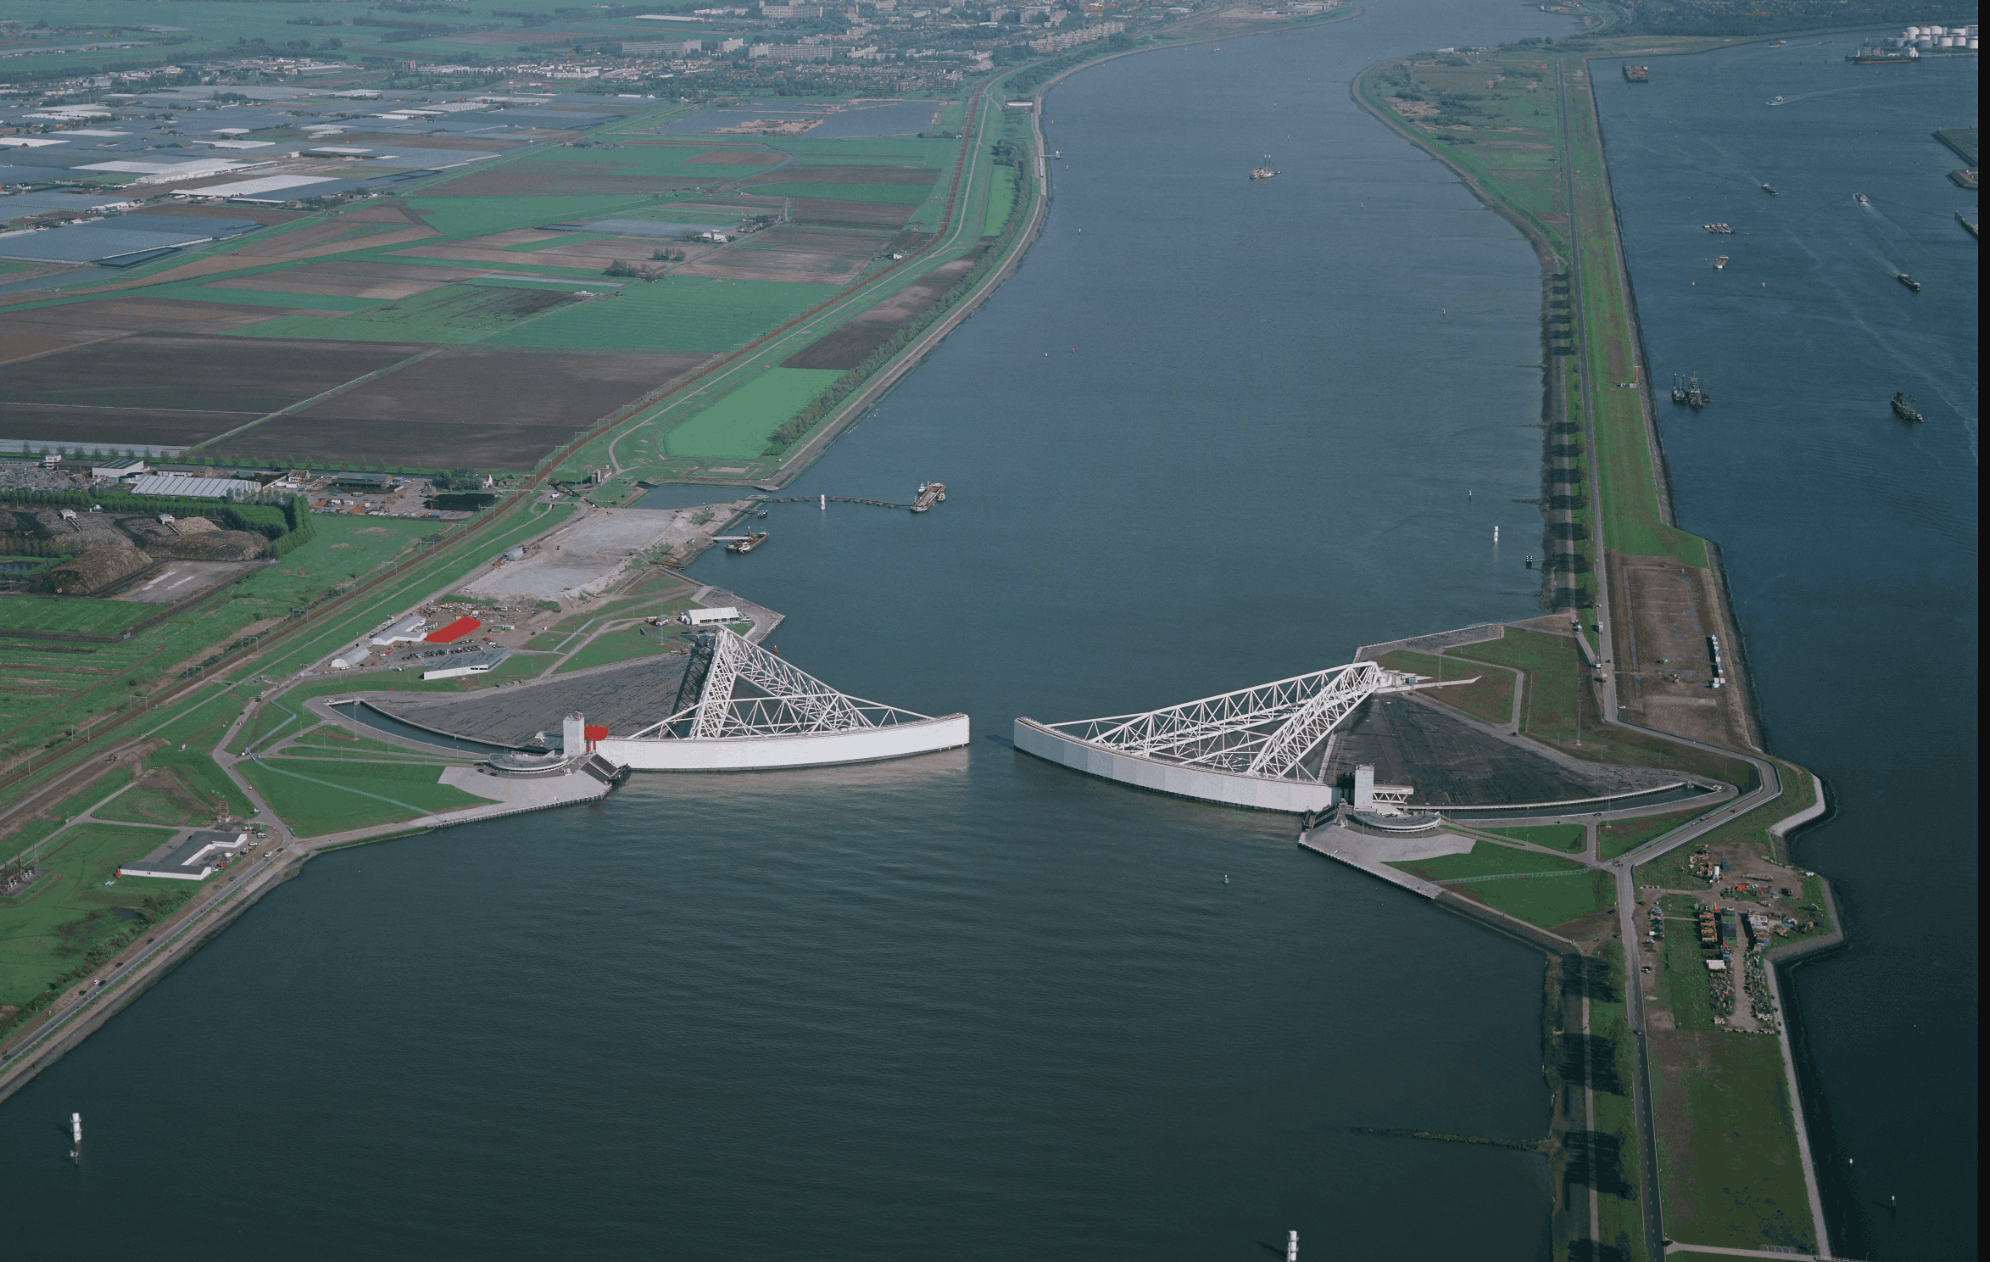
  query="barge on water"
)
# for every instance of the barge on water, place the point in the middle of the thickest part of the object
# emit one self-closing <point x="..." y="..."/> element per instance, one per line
<point x="1903" y="407"/>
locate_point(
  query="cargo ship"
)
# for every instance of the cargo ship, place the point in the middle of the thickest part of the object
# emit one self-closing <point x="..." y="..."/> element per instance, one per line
<point x="1903" y="407"/>
<point x="1881" y="55"/>
<point x="1908" y="281"/>
<point x="1638" y="74"/>
<point x="1264" y="172"/>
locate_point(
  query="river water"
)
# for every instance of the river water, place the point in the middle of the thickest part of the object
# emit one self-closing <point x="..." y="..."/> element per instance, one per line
<point x="1213" y="433"/>
<point x="1850" y="542"/>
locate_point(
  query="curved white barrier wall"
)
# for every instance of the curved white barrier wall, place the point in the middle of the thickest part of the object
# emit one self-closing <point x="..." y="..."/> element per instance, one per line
<point x="1255" y="792"/>
<point x="759" y="753"/>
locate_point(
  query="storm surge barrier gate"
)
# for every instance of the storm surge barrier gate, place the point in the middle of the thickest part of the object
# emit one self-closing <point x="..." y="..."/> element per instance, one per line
<point x="1245" y="748"/>
<point x="754" y="710"/>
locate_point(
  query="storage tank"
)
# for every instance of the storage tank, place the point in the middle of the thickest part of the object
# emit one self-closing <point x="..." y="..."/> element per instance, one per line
<point x="1913" y="32"/>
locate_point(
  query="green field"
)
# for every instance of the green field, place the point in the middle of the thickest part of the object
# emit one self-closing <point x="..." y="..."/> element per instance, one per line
<point x="478" y="216"/>
<point x="739" y="424"/>
<point x="1569" y="837"/>
<point x="72" y="921"/>
<point x="678" y="313"/>
<point x="146" y="805"/>
<point x="316" y="796"/>
<point x="81" y="615"/>
<point x="1485" y="859"/>
<point x="621" y="646"/>
<point x="903" y="194"/>
<point x="1548" y="901"/>
<point x="1729" y="1170"/>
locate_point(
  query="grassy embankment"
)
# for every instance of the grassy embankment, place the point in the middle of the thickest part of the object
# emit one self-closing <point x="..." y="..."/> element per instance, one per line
<point x="1519" y="123"/>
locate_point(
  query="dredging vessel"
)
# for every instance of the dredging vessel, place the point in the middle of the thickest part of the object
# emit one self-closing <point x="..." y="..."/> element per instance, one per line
<point x="1720" y="262"/>
<point x="1264" y="172"/>
<point x="930" y="493"/>
<point x="748" y="544"/>
<point x="1908" y="281"/>
<point x="1638" y="74"/>
<point x="1903" y="407"/>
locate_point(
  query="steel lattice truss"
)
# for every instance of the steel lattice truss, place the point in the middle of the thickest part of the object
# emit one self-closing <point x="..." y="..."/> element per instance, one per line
<point x="1263" y="731"/>
<point x="751" y="692"/>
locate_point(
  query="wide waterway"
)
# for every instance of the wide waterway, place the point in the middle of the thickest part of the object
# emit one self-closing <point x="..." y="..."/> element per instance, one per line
<point x="1850" y="543"/>
<point x="1213" y="433"/>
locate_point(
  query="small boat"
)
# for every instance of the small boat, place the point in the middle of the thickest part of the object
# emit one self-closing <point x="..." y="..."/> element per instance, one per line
<point x="1720" y="262"/>
<point x="743" y="546"/>
<point x="1770" y="191"/>
<point x="1908" y="281"/>
<point x="1718" y="229"/>
<point x="1903" y="407"/>
<point x="1781" y="43"/>
<point x="1861" y="199"/>
<point x="1781" y="100"/>
<point x="1689" y="393"/>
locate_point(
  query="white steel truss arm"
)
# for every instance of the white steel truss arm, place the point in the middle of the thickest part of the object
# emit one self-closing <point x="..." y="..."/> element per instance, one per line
<point x="1310" y="724"/>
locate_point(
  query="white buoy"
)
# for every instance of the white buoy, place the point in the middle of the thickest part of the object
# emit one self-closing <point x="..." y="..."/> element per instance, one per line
<point x="1291" y="1246"/>
<point x="76" y="1128"/>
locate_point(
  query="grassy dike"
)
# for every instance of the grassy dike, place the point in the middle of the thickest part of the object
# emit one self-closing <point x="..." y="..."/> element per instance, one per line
<point x="1519" y="125"/>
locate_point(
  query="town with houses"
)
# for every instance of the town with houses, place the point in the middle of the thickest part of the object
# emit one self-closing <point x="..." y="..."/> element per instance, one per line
<point x="886" y="46"/>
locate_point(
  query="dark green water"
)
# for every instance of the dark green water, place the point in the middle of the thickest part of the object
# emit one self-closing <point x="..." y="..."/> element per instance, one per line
<point x="1850" y="542"/>
<point x="969" y="1006"/>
